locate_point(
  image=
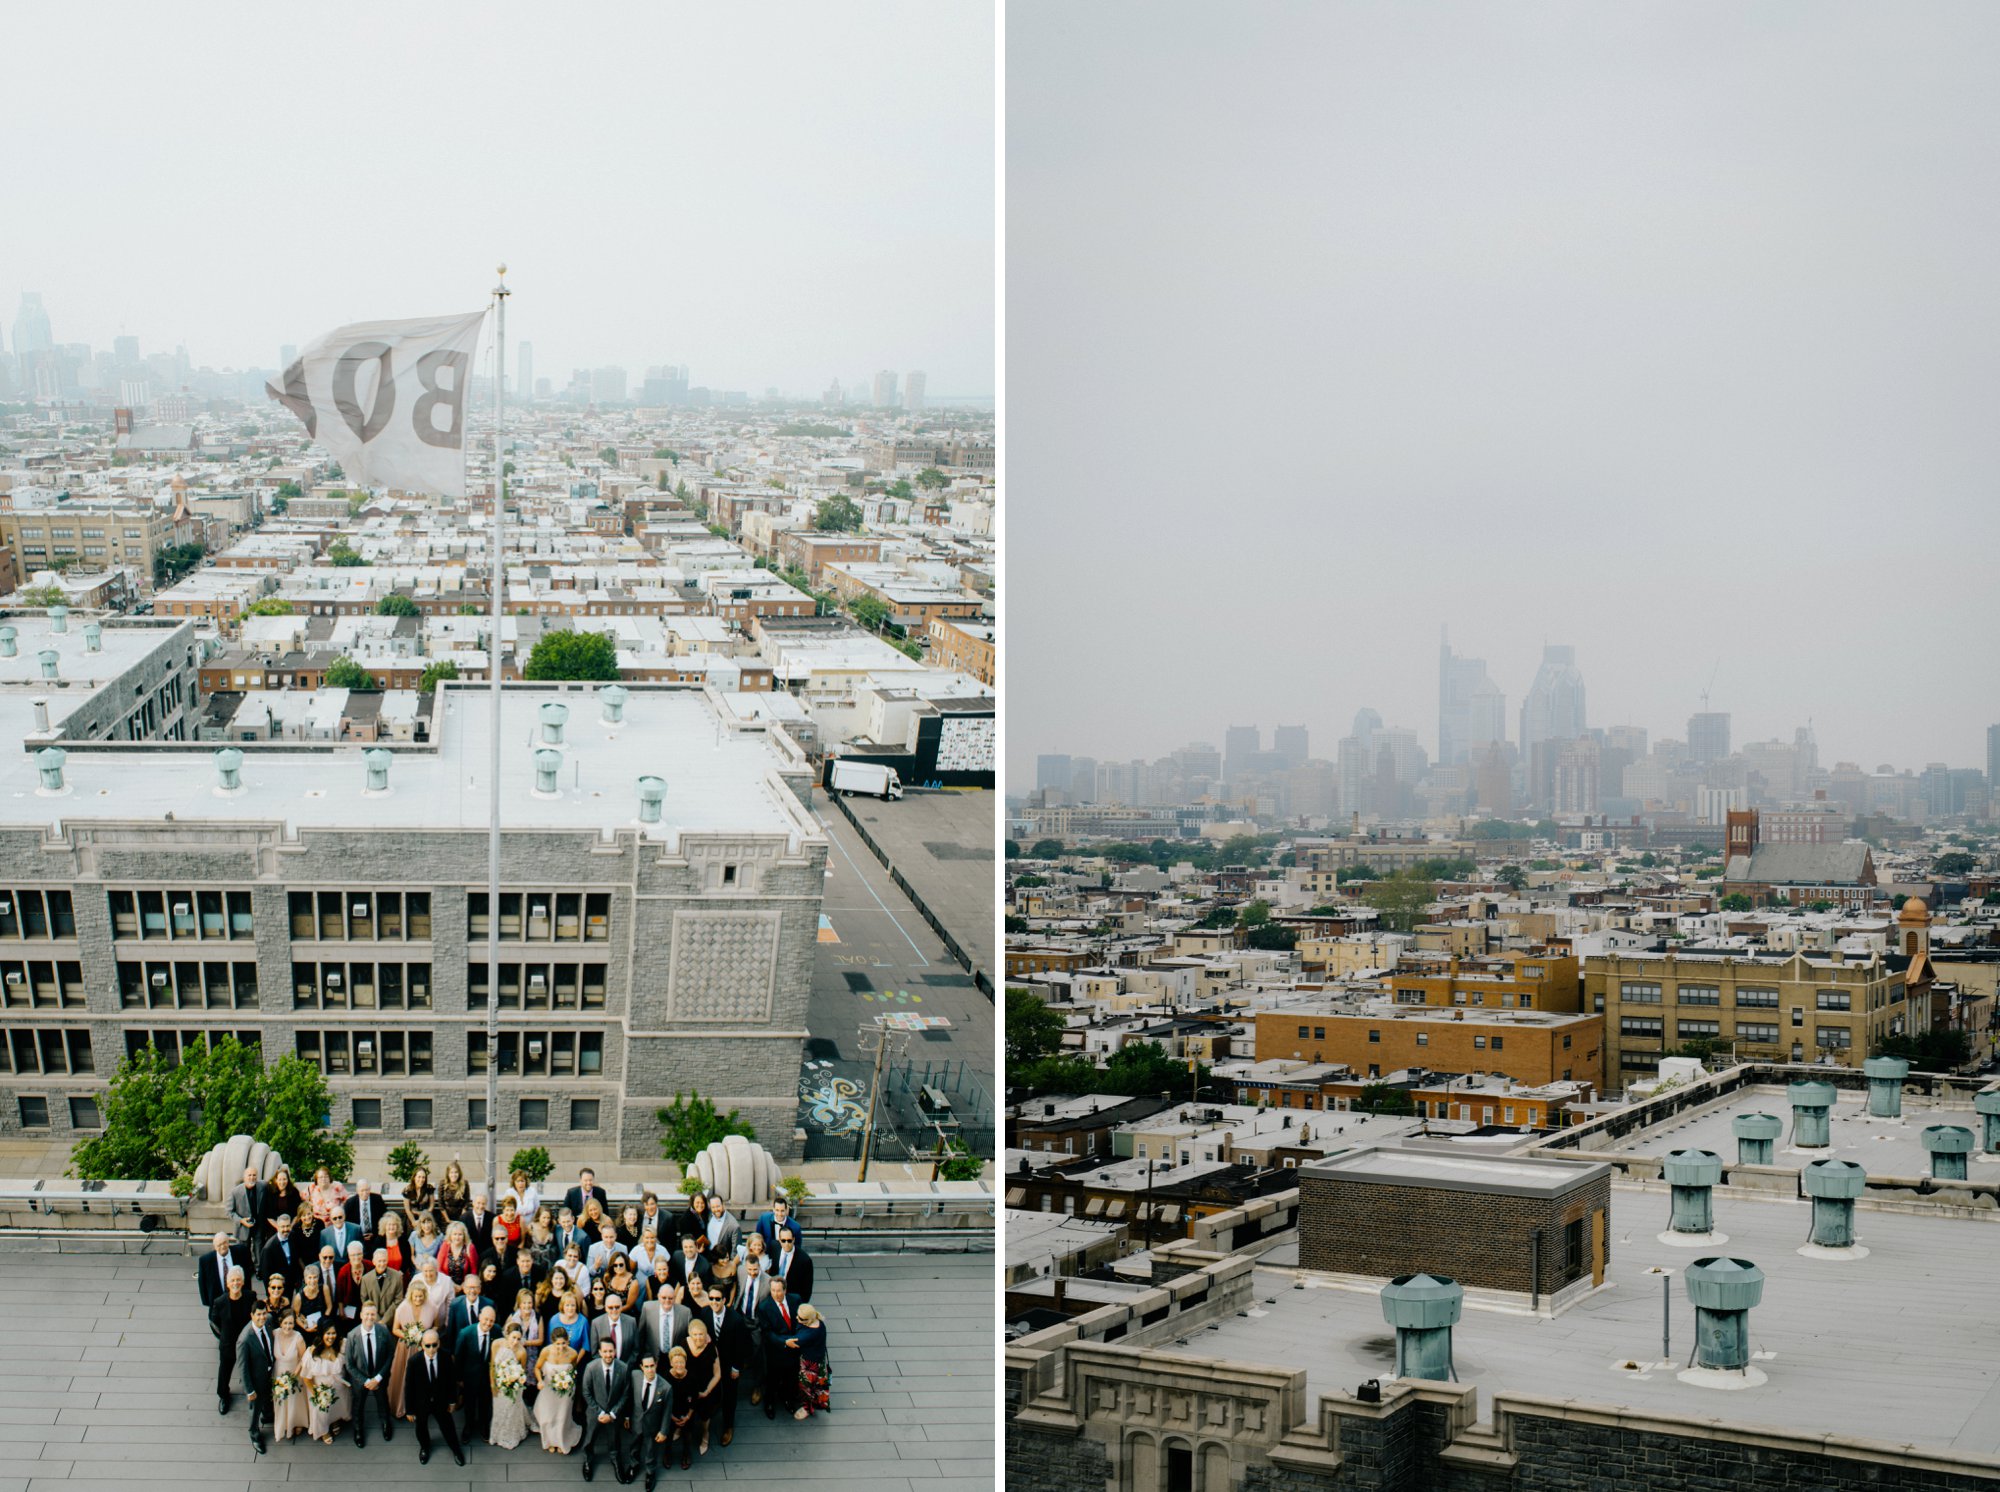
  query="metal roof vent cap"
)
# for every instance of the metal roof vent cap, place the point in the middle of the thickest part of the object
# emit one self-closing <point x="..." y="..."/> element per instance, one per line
<point x="1987" y="1106"/>
<point x="49" y="761"/>
<point x="1948" y="1144"/>
<point x="41" y="716"/>
<point x="59" y="619"/>
<point x="1691" y="1175"/>
<point x="1423" y="1308"/>
<point x="548" y="764"/>
<point x="1885" y="1086"/>
<point x="48" y="658"/>
<point x="93" y="637"/>
<point x="1756" y="1135"/>
<point x="1833" y="1185"/>
<point x="1812" y="1104"/>
<point x="8" y="646"/>
<point x="1722" y="1292"/>
<point x="377" y="761"/>
<point x="228" y="772"/>
<point x="652" y="793"/>
<point x="612" y="697"/>
<point x="554" y="716"/>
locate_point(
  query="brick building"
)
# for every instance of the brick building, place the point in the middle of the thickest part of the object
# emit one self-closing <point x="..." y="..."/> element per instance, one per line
<point x="1532" y="1047"/>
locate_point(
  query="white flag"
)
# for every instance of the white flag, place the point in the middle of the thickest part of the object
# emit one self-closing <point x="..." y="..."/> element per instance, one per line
<point x="387" y="398"/>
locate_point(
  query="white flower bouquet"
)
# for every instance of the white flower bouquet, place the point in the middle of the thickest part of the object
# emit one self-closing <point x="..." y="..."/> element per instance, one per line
<point x="562" y="1379"/>
<point x="322" y="1396"/>
<point x="508" y="1376"/>
<point x="284" y="1386"/>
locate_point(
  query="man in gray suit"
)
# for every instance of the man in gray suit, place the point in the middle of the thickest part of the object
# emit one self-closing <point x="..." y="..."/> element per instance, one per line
<point x="365" y="1361"/>
<point x="383" y="1287"/>
<point x="614" y="1327"/>
<point x="246" y="1210"/>
<point x="663" y="1324"/>
<point x="607" y="1404"/>
<point x="652" y="1397"/>
<point x="256" y="1364"/>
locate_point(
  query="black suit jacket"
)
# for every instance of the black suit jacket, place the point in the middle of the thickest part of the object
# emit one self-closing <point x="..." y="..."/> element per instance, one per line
<point x="677" y="1271"/>
<point x="210" y="1281"/>
<point x="798" y="1279"/>
<point x="273" y="1261"/>
<point x="418" y="1394"/>
<point x="773" y="1326"/>
<point x="732" y="1337"/>
<point x="472" y="1366"/>
<point x="573" y="1200"/>
<point x="255" y="1367"/>
<point x="480" y="1231"/>
<point x="371" y="1231"/>
<point x="227" y="1318"/>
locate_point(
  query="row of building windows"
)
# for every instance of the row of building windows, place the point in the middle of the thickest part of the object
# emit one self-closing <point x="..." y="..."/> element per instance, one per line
<point x="1747" y="998"/>
<point x="170" y="1042"/>
<point x="181" y="915"/>
<point x="543" y="916"/>
<point x="389" y="1053"/>
<point x="83" y="1112"/>
<point x="36" y="914"/>
<point x="540" y="1053"/>
<point x="539" y="986"/>
<point x="1756" y="1033"/>
<point x="372" y="916"/>
<point x="44" y="983"/>
<point x="361" y="986"/>
<point x="184" y="985"/>
<point x="529" y="1114"/>
<point x="46" y="1050"/>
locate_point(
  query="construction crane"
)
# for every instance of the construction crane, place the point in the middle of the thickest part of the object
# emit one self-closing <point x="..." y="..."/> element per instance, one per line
<point x="1711" y="683"/>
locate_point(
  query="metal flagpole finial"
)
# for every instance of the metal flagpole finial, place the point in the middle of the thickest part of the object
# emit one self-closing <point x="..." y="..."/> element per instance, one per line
<point x="501" y="288"/>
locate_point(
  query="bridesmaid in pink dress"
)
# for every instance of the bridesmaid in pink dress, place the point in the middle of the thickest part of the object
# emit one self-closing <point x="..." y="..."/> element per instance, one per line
<point x="290" y="1416"/>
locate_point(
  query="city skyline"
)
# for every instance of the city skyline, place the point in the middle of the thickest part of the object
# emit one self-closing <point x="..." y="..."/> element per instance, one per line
<point x="821" y="234"/>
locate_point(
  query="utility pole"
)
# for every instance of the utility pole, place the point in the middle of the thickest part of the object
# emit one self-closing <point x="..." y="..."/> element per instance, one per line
<point x="881" y="1038"/>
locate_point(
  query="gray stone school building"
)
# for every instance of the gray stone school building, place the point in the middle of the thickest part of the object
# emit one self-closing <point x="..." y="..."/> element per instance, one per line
<point x="661" y="875"/>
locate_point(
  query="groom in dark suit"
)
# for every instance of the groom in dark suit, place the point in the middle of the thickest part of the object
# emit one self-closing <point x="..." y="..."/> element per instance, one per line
<point x="256" y="1364"/>
<point x="429" y="1388"/>
<point x="607" y="1405"/>
<point x="652" y="1398"/>
<point x="365" y="1361"/>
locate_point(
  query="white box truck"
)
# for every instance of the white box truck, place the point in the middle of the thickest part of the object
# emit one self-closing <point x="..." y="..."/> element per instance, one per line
<point x="870" y="779"/>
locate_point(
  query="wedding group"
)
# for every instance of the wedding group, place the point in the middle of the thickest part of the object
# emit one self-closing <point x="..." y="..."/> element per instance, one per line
<point x="627" y="1335"/>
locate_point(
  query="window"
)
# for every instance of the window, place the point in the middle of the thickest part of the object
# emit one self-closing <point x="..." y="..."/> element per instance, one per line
<point x="1689" y="1029"/>
<point x="534" y="1113"/>
<point x="1423" y="1038"/>
<point x="542" y="916"/>
<point x="1758" y="999"/>
<point x="583" y="1113"/>
<point x="360" y="916"/>
<point x="475" y="1113"/>
<point x="186" y="985"/>
<point x="1499" y="1042"/>
<point x="1835" y="1038"/>
<point x="1700" y="994"/>
<point x="181" y="916"/>
<point x="1646" y="1061"/>
<point x="361" y="986"/>
<point x="1565" y="1041"/>
<point x="23" y="1050"/>
<point x="417" y="1113"/>
<point x="367" y="1113"/>
<point x="1479" y="1043"/>
<point x="83" y="1114"/>
<point x="1768" y="1035"/>
<point x="1319" y="1033"/>
<point x="36" y="914"/>
<point x="1835" y="1000"/>
<point x="1639" y="994"/>
<point x="1305" y="1031"/>
<point x="1641" y="1025"/>
<point x="43" y="983"/>
<point x="1572" y="1248"/>
<point x="34" y="1113"/>
<point x="1375" y="1036"/>
<point x="1798" y="1016"/>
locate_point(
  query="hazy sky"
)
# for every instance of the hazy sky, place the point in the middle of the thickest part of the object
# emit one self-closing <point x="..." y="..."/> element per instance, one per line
<point x="1665" y="330"/>
<point x="783" y="193"/>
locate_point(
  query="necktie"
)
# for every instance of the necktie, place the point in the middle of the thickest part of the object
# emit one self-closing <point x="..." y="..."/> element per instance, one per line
<point x="264" y="1342"/>
<point x="617" y="1346"/>
<point x="482" y="1346"/>
<point x="433" y="1363"/>
<point x="368" y="1346"/>
<point x="785" y="1314"/>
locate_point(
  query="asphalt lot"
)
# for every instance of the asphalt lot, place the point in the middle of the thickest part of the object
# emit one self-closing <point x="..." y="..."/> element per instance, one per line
<point x="943" y="844"/>
<point x="879" y="961"/>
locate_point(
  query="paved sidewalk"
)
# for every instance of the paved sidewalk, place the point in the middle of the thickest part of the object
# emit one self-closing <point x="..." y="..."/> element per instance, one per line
<point x="108" y="1381"/>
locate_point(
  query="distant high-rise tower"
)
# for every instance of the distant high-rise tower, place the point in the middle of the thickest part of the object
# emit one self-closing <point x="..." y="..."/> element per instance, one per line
<point x="1290" y="742"/>
<point x="1053" y="771"/>
<point x="1993" y="759"/>
<point x="913" y="391"/>
<point x="885" y="390"/>
<point x="1708" y="736"/>
<point x="1472" y="712"/>
<point x="524" y="375"/>
<point x="1239" y="744"/>
<point x="834" y="396"/>
<point x="1552" y="713"/>
<point x="31" y="326"/>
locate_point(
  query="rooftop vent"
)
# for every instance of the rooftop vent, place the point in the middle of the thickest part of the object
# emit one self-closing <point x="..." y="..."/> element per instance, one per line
<point x="1987" y="1107"/>
<point x="377" y="762"/>
<point x="1722" y="1291"/>
<point x="48" y="659"/>
<point x="554" y="716"/>
<point x="229" y="770"/>
<point x="93" y="638"/>
<point x="652" y="793"/>
<point x="59" y="619"/>
<point x="1812" y="1104"/>
<point x="1756" y="1137"/>
<point x="8" y="646"/>
<point x="1885" y="1086"/>
<point x="612" y="698"/>
<point x="1423" y="1308"/>
<point x="547" y="764"/>
<point x="1833" y="1185"/>
<point x="1691" y="1176"/>
<point x="1948" y="1144"/>
<point x="49" y="761"/>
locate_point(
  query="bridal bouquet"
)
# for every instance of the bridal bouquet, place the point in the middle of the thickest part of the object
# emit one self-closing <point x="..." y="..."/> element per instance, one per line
<point x="562" y="1380"/>
<point x="508" y="1376"/>
<point x="322" y="1396"/>
<point x="284" y="1386"/>
<point x="413" y="1336"/>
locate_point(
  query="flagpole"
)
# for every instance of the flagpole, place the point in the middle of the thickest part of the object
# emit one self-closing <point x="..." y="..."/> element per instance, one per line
<point x="500" y="293"/>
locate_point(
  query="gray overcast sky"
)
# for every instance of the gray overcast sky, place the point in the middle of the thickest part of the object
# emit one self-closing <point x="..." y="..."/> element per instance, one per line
<point x="782" y="193"/>
<point x="1665" y="330"/>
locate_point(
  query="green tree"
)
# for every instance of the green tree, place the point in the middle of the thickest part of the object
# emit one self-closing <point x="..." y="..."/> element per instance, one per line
<point x="271" y="606"/>
<point x="871" y="611"/>
<point x="471" y="608"/>
<point x="1274" y="937"/>
<point x="1254" y="914"/>
<point x="534" y="1160"/>
<point x="1938" y="1050"/>
<point x="1046" y="849"/>
<point x="41" y="595"/>
<point x="1512" y="877"/>
<point x="1033" y="1030"/>
<point x="356" y="501"/>
<point x="962" y="1164"/>
<point x="1385" y="1098"/>
<point x="1736" y="901"/>
<point x="1954" y="865"/>
<point x="1141" y="1068"/>
<point x="343" y="555"/>
<point x="690" y="1124"/>
<point x="838" y="515"/>
<point x="1064" y="1074"/>
<point x="572" y="655"/>
<point x="174" y="561"/>
<point x="280" y="505"/>
<point x="396" y="604"/>
<point x="1348" y="873"/>
<point x="901" y="488"/>
<point x="609" y="455"/>
<point x="297" y="1104"/>
<point x="667" y="453"/>
<point x="932" y="480"/>
<point x="404" y="1160"/>
<point x="345" y="673"/>
<point x="1400" y="899"/>
<point x="1013" y="847"/>
<point x="289" y="490"/>
<point x="433" y="672"/>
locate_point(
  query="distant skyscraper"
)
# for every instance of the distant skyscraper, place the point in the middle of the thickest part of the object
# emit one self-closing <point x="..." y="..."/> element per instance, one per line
<point x="1290" y="742"/>
<point x="833" y="398"/>
<point x="1083" y="779"/>
<point x="31" y="326"/>
<point x="1993" y="758"/>
<point x="1053" y="771"/>
<point x="607" y="386"/>
<point x="885" y="390"/>
<point x="1708" y="736"/>
<point x="1577" y="780"/>
<point x="1472" y="712"/>
<point x="125" y="351"/>
<point x="913" y="392"/>
<point x="524" y="374"/>
<point x="1239" y="744"/>
<point x="1552" y="713"/>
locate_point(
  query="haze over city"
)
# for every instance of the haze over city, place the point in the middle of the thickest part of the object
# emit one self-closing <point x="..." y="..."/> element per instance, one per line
<point x="1666" y="333"/>
<point x="839" y="223"/>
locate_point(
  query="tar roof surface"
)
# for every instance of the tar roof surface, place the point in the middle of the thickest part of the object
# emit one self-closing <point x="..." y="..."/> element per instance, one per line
<point x="1881" y="1147"/>
<point x="1898" y="1346"/>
